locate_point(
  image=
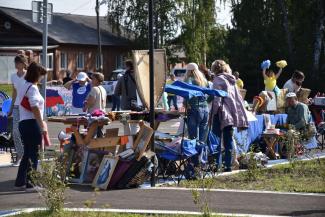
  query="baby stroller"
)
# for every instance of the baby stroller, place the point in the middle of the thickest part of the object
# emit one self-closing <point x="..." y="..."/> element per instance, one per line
<point x="6" y="140"/>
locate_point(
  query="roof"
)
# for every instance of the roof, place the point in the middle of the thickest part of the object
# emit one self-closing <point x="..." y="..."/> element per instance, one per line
<point x="27" y="47"/>
<point x="70" y="28"/>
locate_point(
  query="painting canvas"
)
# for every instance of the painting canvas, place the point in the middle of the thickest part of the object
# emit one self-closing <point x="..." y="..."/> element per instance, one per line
<point x="93" y="159"/>
<point x="142" y="78"/>
<point x="142" y="141"/>
<point x="104" y="173"/>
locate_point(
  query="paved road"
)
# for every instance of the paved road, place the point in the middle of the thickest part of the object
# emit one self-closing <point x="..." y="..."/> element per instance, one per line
<point x="162" y="199"/>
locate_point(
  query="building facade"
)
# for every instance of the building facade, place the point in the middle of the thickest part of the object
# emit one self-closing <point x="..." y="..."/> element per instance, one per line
<point x="72" y="43"/>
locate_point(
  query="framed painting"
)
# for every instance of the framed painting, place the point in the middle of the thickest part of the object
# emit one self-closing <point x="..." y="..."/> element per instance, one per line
<point x="91" y="164"/>
<point x="105" y="172"/>
<point x="142" y="141"/>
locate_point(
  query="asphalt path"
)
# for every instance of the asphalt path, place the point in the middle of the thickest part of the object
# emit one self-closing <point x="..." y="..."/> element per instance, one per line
<point x="164" y="199"/>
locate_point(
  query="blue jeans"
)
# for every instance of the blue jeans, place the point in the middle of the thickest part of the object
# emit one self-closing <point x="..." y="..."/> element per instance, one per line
<point x="116" y="103"/>
<point x="172" y="99"/>
<point x="197" y="122"/>
<point x="31" y="137"/>
<point x="227" y="133"/>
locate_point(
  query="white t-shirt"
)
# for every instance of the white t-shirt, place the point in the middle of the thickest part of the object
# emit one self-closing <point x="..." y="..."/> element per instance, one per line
<point x="291" y="86"/>
<point x="17" y="82"/>
<point x="35" y="99"/>
<point x="99" y="93"/>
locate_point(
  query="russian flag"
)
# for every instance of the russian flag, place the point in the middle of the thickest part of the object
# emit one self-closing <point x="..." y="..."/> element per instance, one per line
<point x="53" y="98"/>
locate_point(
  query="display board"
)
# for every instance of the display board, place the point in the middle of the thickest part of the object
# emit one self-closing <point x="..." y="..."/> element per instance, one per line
<point x="142" y="74"/>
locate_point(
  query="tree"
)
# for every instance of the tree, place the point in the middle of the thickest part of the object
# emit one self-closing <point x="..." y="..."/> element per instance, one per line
<point x="133" y="16"/>
<point x="198" y="19"/>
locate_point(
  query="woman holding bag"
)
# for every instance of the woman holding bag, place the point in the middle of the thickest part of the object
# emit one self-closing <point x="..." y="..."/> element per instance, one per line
<point x="31" y="124"/>
<point x="227" y="112"/>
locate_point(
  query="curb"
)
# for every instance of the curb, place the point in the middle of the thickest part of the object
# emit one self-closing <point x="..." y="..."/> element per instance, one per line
<point x="134" y="211"/>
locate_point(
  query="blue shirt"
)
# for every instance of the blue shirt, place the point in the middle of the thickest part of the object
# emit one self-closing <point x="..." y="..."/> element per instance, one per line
<point x="79" y="94"/>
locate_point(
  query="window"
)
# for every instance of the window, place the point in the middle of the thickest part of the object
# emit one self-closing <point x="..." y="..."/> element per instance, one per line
<point x="80" y="61"/>
<point x="49" y="61"/>
<point x="63" y="60"/>
<point x="98" y="63"/>
<point x="119" y="62"/>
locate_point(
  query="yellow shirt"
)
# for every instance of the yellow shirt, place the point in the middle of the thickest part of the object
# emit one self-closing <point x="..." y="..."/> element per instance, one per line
<point x="240" y="83"/>
<point x="270" y="83"/>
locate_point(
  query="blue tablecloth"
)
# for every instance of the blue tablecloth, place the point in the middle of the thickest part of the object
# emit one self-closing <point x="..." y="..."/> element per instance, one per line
<point x="245" y="138"/>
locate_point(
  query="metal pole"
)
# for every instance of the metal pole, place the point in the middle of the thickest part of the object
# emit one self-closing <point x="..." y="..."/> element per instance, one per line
<point x="99" y="39"/>
<point x="151" y="68"/>
<point x="44" y="52"/>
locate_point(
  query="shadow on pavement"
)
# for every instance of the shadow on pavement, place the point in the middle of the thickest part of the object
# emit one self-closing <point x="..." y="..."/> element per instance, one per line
<point x="306" y="213"/>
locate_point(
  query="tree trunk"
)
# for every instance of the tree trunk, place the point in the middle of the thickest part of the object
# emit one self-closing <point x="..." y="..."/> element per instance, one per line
<point x="319" y="35"/>
<point x="284" y="12"/>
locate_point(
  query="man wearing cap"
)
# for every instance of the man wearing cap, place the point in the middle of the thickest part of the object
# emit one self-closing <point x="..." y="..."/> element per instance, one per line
<point x="81" y="86"/>
<point x="298" y="113"/>
<point x="17" y="80"/>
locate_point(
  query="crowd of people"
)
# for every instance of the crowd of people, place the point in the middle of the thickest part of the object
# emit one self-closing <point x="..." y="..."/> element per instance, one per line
<point x="28" y="106"/>
<point x="222" y="115"/>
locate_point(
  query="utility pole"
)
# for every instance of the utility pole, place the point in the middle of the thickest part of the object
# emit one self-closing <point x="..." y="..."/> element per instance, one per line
<point x="99" y="38"/>
<point x="152" y="80"/>
<point x="44" y="52"/>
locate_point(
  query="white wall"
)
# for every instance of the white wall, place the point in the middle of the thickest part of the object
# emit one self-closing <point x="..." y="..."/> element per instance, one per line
<point x="7" y="67"/>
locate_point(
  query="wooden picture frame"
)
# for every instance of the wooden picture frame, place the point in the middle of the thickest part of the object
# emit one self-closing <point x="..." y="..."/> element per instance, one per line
<point x="91" y="164"/>
<point x="105" y="172"/>
<point x="142" y="141"/>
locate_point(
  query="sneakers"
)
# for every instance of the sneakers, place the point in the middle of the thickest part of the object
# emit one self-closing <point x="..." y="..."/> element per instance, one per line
<point x="34" y="189"/>
<point x="17" y="163"/>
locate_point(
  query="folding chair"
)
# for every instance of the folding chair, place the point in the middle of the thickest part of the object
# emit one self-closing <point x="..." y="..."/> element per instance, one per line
<point x="177" y="158"/>
<point x="186" y="153"/>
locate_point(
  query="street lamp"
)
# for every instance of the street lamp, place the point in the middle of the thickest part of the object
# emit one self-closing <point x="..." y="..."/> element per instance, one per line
<point x="98" y="4"/>
<point x="151" y="70"/>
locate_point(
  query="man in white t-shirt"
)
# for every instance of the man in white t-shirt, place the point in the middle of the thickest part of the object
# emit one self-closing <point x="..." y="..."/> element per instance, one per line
<point x="294" y="84"/>
<point x="17" y="80"/>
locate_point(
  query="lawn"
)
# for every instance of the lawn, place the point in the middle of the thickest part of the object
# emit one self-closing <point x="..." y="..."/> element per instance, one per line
<point x="7" y="88"/>
<point x="298" y="176"/>
<point x="97" y="214"/>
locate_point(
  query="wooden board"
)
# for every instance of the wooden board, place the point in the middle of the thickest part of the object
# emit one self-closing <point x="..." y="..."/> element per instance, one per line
<point x="104" y="142"/>
<point x="142" y="75"/>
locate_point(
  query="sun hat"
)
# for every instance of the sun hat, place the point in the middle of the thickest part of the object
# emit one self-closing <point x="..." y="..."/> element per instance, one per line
<point x="290" y="95"/>
<point x="192" y="66"/>
<point x="82" y="76"/>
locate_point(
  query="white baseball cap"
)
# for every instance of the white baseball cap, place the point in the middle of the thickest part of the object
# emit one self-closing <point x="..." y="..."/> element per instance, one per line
<point x="192" y="66"/>
<point x="82" y="76"/>
<point x="290" y="95"/>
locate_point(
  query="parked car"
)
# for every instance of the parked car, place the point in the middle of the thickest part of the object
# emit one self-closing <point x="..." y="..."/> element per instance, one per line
<point x="109" y="85"/>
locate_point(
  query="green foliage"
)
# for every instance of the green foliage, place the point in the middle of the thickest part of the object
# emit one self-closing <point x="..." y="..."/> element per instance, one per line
<point x="297" y="176"/>
<point x="7" y="88"/>
<point x="259" y="32"/>
<point x="51" y="178"/>
<point x="132" y="16"/>
<point x="198" y="21"/>
<point x="253" y="171"/>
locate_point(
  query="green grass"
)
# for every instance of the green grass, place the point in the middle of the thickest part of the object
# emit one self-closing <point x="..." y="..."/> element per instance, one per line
<point x="96" y="214"/>
<point x="299" y="176"/>
<point x="7" y="88"/>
